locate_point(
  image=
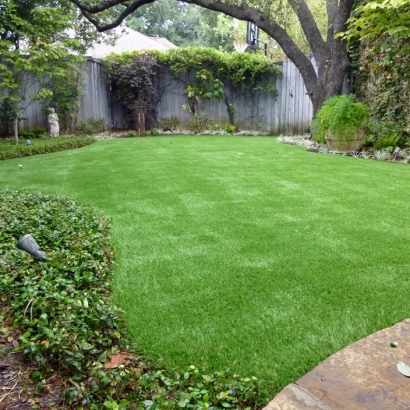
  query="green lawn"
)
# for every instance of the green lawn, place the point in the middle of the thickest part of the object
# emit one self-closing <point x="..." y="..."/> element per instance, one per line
<point x="239" y="251"/>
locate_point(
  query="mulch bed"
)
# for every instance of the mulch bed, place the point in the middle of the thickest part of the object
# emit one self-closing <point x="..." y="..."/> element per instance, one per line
<point x="17" y="391"/>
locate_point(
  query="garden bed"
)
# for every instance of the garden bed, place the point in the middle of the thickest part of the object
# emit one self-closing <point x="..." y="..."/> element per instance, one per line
<point x="401" y="155"/>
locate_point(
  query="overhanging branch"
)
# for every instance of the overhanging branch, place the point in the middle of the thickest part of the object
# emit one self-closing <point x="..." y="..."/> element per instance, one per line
<point x="89" y="11"/>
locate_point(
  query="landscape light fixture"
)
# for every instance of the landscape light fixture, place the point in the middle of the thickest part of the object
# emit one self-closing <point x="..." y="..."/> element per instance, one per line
<point x="28" y="244"/>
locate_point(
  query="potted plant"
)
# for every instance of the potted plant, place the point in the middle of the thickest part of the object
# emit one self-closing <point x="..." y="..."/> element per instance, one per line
<point x="340" y="122"/>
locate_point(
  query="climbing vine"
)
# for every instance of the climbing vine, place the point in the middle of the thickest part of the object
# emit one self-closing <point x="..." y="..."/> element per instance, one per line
<point x="383" y="78"/>
<point x="204" y="72"/>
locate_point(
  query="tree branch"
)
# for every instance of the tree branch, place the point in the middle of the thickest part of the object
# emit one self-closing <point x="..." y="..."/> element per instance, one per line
<point x="88" y="11"/>
<point x="331" y="9"/>
<point x="308" y="24"/>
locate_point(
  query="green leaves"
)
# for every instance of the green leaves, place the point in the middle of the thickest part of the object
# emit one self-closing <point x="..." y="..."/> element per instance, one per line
<point x="380" y="17"/>
<point x="341" y="117"/>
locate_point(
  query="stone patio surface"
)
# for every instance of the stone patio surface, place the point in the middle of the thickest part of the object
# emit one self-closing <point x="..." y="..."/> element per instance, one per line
<point x="363" y="375"/>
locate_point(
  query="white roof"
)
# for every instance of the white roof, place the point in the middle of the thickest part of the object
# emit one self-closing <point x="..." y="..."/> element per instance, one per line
<point x="129" y="40"/>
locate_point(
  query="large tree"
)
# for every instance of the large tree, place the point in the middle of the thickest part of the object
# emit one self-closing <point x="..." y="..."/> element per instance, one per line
<point x="330" y="53"/>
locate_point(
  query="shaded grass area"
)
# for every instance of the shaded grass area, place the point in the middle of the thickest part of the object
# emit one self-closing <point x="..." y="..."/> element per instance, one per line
<point x="9" y="149"/>
<point x="241" y="251"/>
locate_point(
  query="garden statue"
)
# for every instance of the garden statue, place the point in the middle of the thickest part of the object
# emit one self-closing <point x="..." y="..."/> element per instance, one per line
<point x="53" y="121"/>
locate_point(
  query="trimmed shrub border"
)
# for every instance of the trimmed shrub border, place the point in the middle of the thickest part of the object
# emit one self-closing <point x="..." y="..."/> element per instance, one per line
<point x="10" y="150"/>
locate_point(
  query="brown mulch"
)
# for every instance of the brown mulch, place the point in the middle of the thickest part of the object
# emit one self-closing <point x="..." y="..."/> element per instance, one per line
<point x="17" y="390"/>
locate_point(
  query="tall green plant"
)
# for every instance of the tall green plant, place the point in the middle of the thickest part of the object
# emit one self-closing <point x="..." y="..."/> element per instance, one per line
<point x="341" y="117"/>
<point x="205" y="88"/>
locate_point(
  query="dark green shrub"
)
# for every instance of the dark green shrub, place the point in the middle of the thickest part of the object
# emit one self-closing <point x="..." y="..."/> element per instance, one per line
<point x="9" y="150"/>
<point x="36" y="132"/>
<point x="229" y="128"/>
<point x="199" y="123"/>
<point x="171" y="123"/>
<point x="91" y="126"/>
<point x="384" y="134"/>
<point x="62" y="304"/>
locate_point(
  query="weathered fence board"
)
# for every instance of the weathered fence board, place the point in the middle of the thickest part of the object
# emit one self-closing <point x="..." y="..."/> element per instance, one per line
<point x="288" y="111"/>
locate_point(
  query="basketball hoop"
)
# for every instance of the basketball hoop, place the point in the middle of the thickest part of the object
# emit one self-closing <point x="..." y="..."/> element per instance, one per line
<point x="240" y="46"/>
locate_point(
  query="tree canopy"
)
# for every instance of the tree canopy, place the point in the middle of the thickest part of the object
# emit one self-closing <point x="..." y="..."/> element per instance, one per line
<point x="184" y="25"/>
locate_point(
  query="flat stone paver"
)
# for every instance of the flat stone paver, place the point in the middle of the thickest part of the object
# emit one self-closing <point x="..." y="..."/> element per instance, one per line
<point x="361" y="376"/>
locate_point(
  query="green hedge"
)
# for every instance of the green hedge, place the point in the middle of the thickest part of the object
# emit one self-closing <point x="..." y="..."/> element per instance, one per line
<point x="9" y="149"/>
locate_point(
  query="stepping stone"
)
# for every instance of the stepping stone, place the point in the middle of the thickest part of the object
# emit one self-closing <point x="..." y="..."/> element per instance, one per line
<point x="363" y="376"/>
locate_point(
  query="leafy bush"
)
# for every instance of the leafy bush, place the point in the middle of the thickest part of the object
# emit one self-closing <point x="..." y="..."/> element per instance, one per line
<point x="67" y="324"/>
<point x="229" y="128"/>
<point x="9" y="150"/>
<point x="36" y="132"/>
<point x="199" y="123"/>
<point x="171" y="123"/>
<point x="384" y="134"/>
<point x="341" y="117"/>
<point x="62" y="304"/>
<point x="91" y="126"/>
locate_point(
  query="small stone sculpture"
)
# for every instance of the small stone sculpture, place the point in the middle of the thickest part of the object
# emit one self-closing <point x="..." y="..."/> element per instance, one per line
<point x="53" y="121"/>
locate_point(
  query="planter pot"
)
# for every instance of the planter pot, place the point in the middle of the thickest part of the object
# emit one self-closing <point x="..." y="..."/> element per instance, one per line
<point x="339" y="145"/>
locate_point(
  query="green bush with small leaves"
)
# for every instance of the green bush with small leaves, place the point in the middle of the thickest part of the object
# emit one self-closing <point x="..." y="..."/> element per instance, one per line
<point x="229" y="128"/>
<point x="62" y="308"/>
<point x="9" y="149"/>
<point x="341" y="117"/>
<point x="171" y="122"/>
<point x="199" y="123"/>
<point x="383" y="134"/>
<point x="91" y="126"/>
<point x="36" y="132"/>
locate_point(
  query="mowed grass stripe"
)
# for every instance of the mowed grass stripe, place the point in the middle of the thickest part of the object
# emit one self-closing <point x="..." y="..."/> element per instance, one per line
<point x="241" y="251"/>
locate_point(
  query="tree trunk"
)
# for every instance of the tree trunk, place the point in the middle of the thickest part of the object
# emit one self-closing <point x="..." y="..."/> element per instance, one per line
<point x="16" y="129"/>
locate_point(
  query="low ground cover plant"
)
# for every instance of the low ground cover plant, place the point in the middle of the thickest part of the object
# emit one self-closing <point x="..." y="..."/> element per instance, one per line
<point x="44" y="145"/>
<point x="68" y="326"/>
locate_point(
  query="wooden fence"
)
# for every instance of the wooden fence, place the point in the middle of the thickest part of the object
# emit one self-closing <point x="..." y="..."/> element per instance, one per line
<point x="288" y="111"/>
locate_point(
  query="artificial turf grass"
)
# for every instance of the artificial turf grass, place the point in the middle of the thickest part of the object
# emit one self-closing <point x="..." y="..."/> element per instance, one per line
<point x="242" y="250"/>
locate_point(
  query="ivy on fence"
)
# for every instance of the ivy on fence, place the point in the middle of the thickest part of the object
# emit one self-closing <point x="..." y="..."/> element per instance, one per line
<point x="204" y="72"/>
